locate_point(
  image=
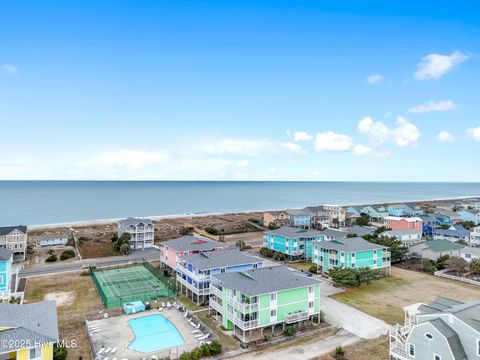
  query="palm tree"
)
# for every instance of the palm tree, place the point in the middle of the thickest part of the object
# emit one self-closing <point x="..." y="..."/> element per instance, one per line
<point x="475" y="266"/>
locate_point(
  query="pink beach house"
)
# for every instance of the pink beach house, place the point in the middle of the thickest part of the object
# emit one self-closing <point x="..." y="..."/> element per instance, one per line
<point x="402" y="223"/>
<point x="173" y="251"/>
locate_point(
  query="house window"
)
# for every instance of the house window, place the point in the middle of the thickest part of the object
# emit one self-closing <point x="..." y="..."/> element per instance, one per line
<point x="353" y="255"/>
<point x="273" y="313"/>
<point x="1" y="280"/>
<point x="411" y="350"/>
<point x="310" y="289"/>
<point x="478" y="347"/>
<point x="436" y="357"/>
<point x="35" y="353"/>
<point x="429" y="336"/>
<point x="273" y="296"/>
<point x="310" y="305"/>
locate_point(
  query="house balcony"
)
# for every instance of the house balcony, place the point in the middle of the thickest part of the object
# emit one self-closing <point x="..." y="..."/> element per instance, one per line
<point x="216" y="291"/>
<point x="245" y="325"/>
<point x="296" y="253"/>
<point x="296" y="317"/>
<point x="243" y="307"/>
<point x="215" y="305"/>
<point x="191" y="287"/>
<point x="193" y="275"/>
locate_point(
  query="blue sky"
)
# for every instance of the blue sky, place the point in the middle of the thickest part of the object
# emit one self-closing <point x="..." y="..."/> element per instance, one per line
<point x="240" y="90"/>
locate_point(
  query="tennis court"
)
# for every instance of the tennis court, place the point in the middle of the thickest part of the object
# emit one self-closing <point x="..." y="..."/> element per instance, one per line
<point x="134" y="283"/>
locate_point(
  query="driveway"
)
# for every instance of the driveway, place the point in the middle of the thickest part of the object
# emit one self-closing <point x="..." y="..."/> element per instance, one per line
<point x="307" y="350"/>
<point x="349" y="318"/>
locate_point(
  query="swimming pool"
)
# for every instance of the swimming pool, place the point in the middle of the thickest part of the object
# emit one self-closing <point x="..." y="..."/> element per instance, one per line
<point x="154" y="333"/>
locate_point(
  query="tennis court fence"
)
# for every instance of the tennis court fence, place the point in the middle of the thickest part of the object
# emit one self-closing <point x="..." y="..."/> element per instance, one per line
<point x="112" y="301"/>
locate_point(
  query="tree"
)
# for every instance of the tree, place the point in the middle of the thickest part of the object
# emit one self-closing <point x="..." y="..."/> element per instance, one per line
<point x="114" y="237"/>
<point x="461" y="241"/>
<point x="457" y="264"/>
<point x="335" y="222"/>
<point x="125" y="249"/>
<point x="186" y="230"/>
<point x="397" y="249"/>
<point x="440" y="263"/>
<point x="240" y="244"/>
<point x="272" y="226"/>
<point x="475" y="266"/>
<point x="363" y="220"/>
<point x="122" y="240"/>
<point x="351" y="235"/>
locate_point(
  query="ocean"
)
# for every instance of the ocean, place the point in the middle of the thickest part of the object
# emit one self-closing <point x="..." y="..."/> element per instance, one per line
<point x="53" y="202"/>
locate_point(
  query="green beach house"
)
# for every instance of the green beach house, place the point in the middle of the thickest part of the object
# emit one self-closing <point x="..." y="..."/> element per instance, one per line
<point x="261" y="302"/>
<point x="350" y="253"/>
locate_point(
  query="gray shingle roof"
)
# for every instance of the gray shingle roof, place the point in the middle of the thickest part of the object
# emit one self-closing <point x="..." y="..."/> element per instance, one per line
<point x="220" y="258"/>
<point x="452" y="339"/>
<point x="29" y="322"/>
<point x="401" y="232"/>
<point x="454" y="230"/>
<point x="5" y="254"/>
<point x="134" y="221"/>
<point x="349" y="245"/>
<point x="291" y="232"/>
<point x="5" y="230"/>
<point x="192" y="243"/>
<point x="359" y="230"/>
<point x="265" y="280"/>
<point x="338" y="234"/>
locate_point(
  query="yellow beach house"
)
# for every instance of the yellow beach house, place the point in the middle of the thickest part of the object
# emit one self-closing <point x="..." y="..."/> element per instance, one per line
<point x="29" y="331"/>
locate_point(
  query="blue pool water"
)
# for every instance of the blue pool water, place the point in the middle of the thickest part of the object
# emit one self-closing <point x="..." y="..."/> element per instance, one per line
<point x="154" y="333"/>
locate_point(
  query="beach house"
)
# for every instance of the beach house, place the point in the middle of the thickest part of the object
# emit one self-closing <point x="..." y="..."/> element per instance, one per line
<point x="173" y="251"/>
<point x="402" y="210"/>
<point x="195" y="271"/>
<point x="318" y="217"/>
<point x="278" y="218"/>
<point x="350" y="253"/>
<point x="475" y="236"/>
<point x="407" y="237"/>
<point x="470" y="215"/>
<point x="469" y="253"/>
<point x="14" y="238"/>
<point x="28" y="331"/>
<point x="300" y="218"/>
<point x="141" y="232"/>
<point x="454" y="233"/>
<point x="6" y="260"/>
<point x="264" y="301"/>
<point x="402" y="223"/>
<point x="445" y="329"/>
<point x="435" y="249"/>
<point x="294" y="242"/>
<point x="376" y="213"/>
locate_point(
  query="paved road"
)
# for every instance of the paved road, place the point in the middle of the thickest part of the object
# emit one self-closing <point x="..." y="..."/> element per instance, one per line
<point x="148" y="254"/>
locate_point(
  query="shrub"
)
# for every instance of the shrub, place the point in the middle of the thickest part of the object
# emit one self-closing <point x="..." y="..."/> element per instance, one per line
<point x="83" y="238"/>
<point x="51" y="258"/>
<point x="59" y="352"/>
<point x="211" y="230"/>
<point x="272" y="226"/>
<point x="339" y="353"/>
<point x="279" y="256"/>
<point x="213" y="349"/>
<point x="290" y="330"/>
<point x="186" y="230"/>
<point x="313" y="269"/>
<point x="266" y="252"/>
<point x="67" y="254"/>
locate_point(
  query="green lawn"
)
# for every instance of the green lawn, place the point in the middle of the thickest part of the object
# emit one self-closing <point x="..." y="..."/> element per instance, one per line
<point x="301" y="265"/>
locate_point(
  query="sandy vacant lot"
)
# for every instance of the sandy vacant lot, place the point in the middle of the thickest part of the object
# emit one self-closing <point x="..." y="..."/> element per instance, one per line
<point x="75" y="296"/>
<point x="386" y="298"/>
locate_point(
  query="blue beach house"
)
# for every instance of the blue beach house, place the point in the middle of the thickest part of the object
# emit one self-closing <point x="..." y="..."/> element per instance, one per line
<point x="194" y="271"/>
<point x="300" y="218"/>
<point x="293" y="242"/>
<point x="470" y="215"/>
<point x="400" y="210"/>
<point x="6" y="260"/>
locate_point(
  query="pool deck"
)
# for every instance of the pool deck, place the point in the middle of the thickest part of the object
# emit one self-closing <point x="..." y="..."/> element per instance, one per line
<point x="116" y="333"/>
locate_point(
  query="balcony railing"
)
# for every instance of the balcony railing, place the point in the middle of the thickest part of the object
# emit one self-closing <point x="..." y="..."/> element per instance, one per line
<point x="243" y="307"/>
<point x="215" y="305"/>
<point x="197" y="277"/>
<point x="245" y="325"/>
<point x="192" y="287"/>
<point x="216" y="291"/>
<point x="292" y="318"/>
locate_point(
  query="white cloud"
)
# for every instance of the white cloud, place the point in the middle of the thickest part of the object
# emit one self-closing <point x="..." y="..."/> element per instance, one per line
<point x="362" y="150"/>
<point x="133" y="159"/>
<point x="295" y="148"/>
<point x="302" y="136"/>
<point x="330" y="141"/>
<point x="404" y="134"/>
<point x="242" y="163"/>
<point x="445" y="137"/>
<point x="434" y="66"/>
<point x="374" y="79"/>
<point x="474" y="133"/>
<point x="444" y="105"/>
<point x="9" y="68"/>
<point x="316" y="174"/>
<point x="246" y="147"/>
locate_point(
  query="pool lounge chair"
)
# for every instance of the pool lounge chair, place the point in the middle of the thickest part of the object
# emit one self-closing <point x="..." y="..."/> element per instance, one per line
<point x="163" y="304"/>
<point x="195" y="331"/>
<point x="160" y="308"/>
<point x="108" y="350"/>
<point x="204" y="337"/>
<point x="114" y="350"/>
<point x="95" y="331"/>
<point x="101" y="351"/>
<point x="169" y="305"/>
<point x="200" y="336"/>
<point x="185" y="314"/>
